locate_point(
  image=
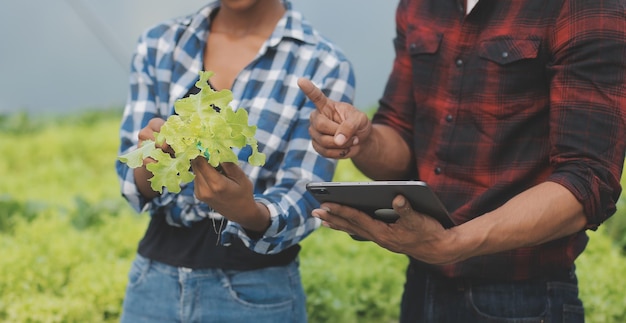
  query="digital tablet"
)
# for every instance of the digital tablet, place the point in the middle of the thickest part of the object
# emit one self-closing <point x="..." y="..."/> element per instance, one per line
<point x="375" y="198"/>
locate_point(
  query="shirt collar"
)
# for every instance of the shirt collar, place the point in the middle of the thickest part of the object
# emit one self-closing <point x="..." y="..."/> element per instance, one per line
<point x="291" y="25"/>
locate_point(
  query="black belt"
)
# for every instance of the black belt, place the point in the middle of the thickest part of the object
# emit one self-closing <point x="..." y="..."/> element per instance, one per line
<point x="422" y="270"/>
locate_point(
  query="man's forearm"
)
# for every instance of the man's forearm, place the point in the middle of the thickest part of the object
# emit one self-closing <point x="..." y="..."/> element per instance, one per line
<point x="543" y="213"/>
<point x="384" y="155"/>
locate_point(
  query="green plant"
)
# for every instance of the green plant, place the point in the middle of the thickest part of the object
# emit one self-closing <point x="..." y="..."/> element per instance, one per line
<point x="68" y="239"/>
<point x="601" y="280"/>
<point x="13" y="211"/>
<point x="350" y="281"/>
<point x="204" y="125"/>
<point x="50" y="271"/>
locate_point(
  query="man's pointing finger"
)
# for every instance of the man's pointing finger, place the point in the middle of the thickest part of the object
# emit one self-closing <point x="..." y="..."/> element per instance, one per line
<point x="313" y="93"/>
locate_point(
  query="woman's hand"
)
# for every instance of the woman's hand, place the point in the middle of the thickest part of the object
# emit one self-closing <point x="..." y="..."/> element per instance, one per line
<point x="142" y="174"/>
<point x="230" y="193"/>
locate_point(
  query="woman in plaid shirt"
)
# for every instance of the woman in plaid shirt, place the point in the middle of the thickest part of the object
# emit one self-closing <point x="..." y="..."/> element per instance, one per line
<point x="514" y="113"/>
<point x="225" y="248"/>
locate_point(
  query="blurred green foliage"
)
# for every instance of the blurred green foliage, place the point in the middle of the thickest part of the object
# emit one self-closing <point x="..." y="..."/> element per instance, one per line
<point x="68" y="238"/>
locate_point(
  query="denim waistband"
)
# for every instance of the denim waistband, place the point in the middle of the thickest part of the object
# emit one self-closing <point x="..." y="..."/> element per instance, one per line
<point x="178" y="271"/>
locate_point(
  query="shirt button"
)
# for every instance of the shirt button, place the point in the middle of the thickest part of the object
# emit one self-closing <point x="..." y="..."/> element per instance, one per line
<point x="413" y="46"/>
<point x="437" y="170"/>
<point x="449" y="118"/>
<point x="505" y="54"/>
<point x="459" y="62"/>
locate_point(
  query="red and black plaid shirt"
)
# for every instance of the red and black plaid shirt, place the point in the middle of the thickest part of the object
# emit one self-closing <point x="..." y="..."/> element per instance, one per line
<point x="516" y="93"/>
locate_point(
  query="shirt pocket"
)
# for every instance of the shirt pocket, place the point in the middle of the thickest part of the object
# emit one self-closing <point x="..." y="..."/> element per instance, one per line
<point x="422" y="45"/>
<point x="422" y="41"/>
<point x="513" y="74"/>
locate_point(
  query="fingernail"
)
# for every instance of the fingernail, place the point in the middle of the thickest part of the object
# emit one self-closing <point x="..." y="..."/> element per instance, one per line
<point x="340" y="139"/>
<point x="401" y="202"/>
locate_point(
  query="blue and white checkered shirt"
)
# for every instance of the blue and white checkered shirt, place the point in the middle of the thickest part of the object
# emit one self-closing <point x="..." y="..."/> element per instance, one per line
<point x="165" y="67"/>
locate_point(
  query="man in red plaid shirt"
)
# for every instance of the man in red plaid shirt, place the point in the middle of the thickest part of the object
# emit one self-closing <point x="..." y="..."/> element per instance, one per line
<point x="514" y="113"/>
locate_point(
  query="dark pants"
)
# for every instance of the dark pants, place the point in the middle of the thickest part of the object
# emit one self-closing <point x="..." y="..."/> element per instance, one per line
<point x="431" y="298"/>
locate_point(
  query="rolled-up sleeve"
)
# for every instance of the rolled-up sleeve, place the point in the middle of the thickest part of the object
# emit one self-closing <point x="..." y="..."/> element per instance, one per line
<point x="588" y="98"/>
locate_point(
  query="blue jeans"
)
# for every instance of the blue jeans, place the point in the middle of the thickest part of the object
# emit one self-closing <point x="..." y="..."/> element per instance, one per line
<point x="157" y="292"/>
<point x="431" y="298"/>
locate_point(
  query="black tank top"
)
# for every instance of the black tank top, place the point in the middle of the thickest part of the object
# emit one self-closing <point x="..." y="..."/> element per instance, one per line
<point x="196" y="247"/>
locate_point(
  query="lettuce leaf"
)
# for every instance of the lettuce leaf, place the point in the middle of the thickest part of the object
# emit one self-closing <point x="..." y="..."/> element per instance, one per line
<point x="204" y="125"/>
